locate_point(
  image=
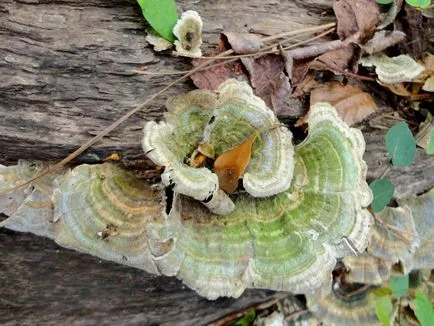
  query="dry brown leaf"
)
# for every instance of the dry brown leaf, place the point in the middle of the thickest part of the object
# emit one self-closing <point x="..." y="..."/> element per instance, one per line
<point x="356" y="16"/>
<point x="429" y="73"/>
<point x="337" y="61"/>
<point x="211" y="78"/>
<point x="401" y="90"/>
<point x="267" y="76"/>
<point x="353" y="105"/>
<point x="230" y="165"/>
<point x="299" y="71"/>
<point x="243" y="43"/>
<point x="305" y="86"/>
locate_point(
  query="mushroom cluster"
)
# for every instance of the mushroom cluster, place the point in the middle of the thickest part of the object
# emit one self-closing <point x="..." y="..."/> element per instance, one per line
<point x="401" y="243"/>
<point x="249" y="209"/>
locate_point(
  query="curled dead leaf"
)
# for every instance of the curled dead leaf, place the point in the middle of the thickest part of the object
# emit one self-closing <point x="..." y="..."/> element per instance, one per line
<point x="243" y="43"/>
<point x="268" y="78"/>
<point x="401" y="90"/>
<point x="353" y="105"/>
<point x="337" y="61"/>
<point x="211" y="78"/>
<point x="230" y="165"/>
<point x="356" y="16"/>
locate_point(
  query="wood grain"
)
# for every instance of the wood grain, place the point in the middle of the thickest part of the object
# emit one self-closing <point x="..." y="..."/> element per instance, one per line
<point x="69" y="69"/>
<point x="43" y="284"/>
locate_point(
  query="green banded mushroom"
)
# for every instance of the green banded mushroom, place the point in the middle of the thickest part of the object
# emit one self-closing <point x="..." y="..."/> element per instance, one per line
<point x="29" y="208"/>
<point x="392" y="70"/>
<point x="104" y="211"/>
<point x="299" y="209"/>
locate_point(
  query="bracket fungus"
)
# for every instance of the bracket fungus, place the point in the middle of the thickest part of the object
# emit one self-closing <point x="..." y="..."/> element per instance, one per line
<point x="299" y="209"/>
<point x="392" y="70"/>
<point x="222" y="122"/>
<point x="188" y="31"/>
<point x="367" y="269"/>
<point x="422" y="209"/>
<point x="401" y="235"/>
<point x="284" y="233"/>
<point x="389" y="245"/>
<point x="404" y="234"/>
<point x="159" y="43"/>
<point x="104" y="211"/>
<point x="29" y="208"/>
<point x="342" y="307"/>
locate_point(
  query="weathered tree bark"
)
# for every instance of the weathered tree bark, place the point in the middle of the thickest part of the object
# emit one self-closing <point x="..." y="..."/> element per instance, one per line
<point x="43" y="284"/>
<point x="68" y="69"/>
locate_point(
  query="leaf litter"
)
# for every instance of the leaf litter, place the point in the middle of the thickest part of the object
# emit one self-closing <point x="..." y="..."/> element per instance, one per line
<point x="353" y="105"/>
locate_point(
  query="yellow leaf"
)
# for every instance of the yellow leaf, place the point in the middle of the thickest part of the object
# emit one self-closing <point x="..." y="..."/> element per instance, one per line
<point x="230" y="165"/>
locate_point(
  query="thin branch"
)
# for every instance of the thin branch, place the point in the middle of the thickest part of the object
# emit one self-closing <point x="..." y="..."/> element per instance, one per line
<point x="297" y="32"/>
<point x="297" y="314"/>
<point x="229" y="59"/>
<point x="358" y="291"/>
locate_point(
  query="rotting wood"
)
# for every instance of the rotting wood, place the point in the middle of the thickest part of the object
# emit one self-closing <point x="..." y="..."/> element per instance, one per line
<point x="67" y="71"/>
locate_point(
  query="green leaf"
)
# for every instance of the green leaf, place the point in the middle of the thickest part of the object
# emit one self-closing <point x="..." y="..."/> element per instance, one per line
<point x="430" y="147"/>
<point x="382" y="291"/>
<point x="382" y="189"/>
<point x="384" y="309"/>
<point x="401" y="145"/>
<point x="399" y="285"/>
<point x="161" y="15"/>
<point x="384" y="2"/>
<point x="419" y="3"/>
<point x="423" y="309"/>
<point x="245" y="321"/>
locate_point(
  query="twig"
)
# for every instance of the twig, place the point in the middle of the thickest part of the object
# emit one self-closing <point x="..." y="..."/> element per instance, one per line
<point x="232" y="58"/>
<point x="385" y="172"/>
<point x="296" y="315"/>
<point x="358" y="291"/>
<point x="229" y="59"/>
<point x="266" y="50"/>
<point x="317" y="49"/>
<point x="297" y="32"/>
